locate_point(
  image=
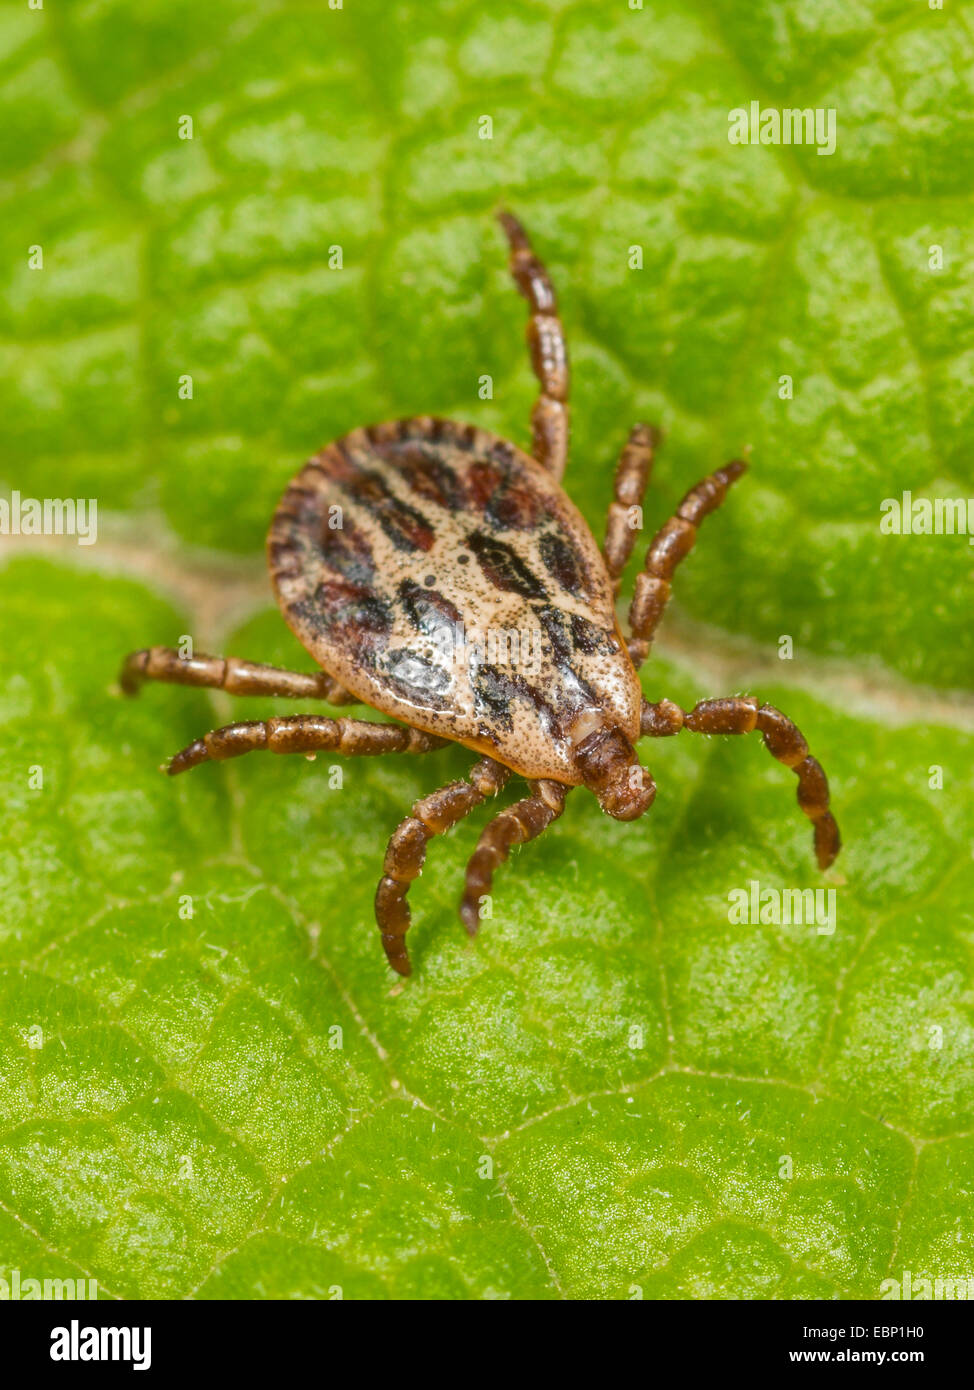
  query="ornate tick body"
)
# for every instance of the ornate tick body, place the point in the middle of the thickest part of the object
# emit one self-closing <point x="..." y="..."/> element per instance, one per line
<point x="442" y="576"/>
<point x="401" y="554"/>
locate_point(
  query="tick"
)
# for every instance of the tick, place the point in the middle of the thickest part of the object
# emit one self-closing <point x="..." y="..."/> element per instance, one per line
<point x="442" y="576"/>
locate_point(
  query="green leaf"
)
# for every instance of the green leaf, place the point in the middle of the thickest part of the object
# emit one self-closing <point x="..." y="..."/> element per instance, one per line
<point x="209" y="1084"/>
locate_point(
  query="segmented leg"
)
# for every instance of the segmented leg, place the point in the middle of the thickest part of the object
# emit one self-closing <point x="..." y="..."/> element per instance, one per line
<point x="631" y="480"/>
<point x="783" y="740"/>
<point x="672" y="542"/>
<point x="546" y="344"/>
<point x="227" y="673"/>
<point x="303" y="733"/>
<point x="406" y="852"/>
<point x="513" y="826"/>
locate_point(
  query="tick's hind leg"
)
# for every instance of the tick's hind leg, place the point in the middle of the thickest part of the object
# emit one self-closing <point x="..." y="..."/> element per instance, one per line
<point x="546" y="344"/>
<point x="303" y="733"/>
<point x="783" y="740"/>
<point x="631" y="480"/>
<point x="513" y="826"/>
<point x="672" y="543"/>
<point x="406" y="853"/>
<point x="227" y="673"/>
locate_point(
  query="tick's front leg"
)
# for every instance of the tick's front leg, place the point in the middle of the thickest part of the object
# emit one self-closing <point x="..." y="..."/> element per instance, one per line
<point x="227" y="673"/>
<point x="783" y="740"/>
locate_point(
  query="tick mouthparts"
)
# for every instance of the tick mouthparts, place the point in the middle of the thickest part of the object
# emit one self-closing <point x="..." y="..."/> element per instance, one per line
<point x="609" y="768"/>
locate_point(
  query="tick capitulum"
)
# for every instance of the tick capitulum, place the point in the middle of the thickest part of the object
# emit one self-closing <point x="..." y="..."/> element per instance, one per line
<point x="396" y="538"/>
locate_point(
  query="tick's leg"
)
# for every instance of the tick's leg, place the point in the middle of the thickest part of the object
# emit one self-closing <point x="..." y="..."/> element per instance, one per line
<point x="783" y="740"/>
<point x="674" y="540"/>
<point x="546" y="344"/>
<point x="227" y="673"/>
<point x="303" y="733"/>
<point x="406" y="853"/>
<point x="632" y="477"/>
<point x="514" y="826"/>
